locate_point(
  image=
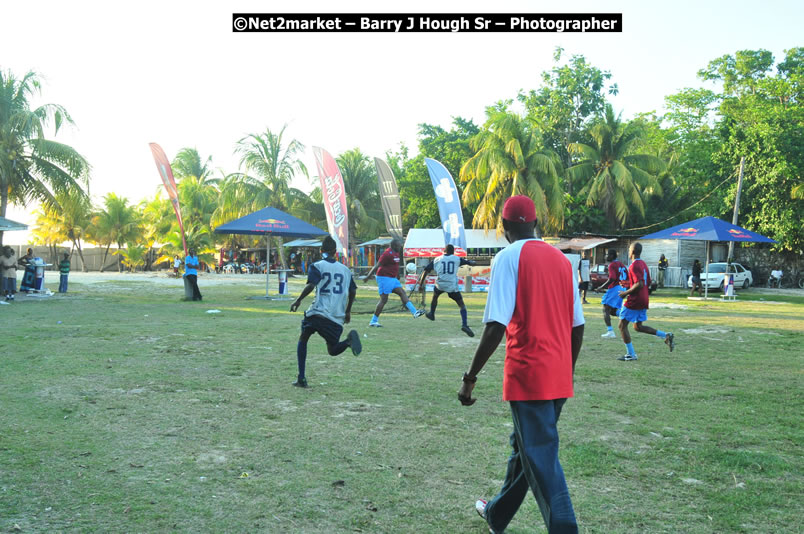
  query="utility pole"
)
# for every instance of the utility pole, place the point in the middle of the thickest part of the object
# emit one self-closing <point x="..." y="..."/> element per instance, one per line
<point x="736" y="206"/>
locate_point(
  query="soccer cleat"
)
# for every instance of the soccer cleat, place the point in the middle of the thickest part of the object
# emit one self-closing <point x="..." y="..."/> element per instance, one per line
<point x="354" y="342"/>
<point x="430" y="315"/>
<point x="628" y="358"/>
<point x="300" y="382"/>
<point x="418" y="314"/>
<point x="376" y="325"/>
<point x="610" y="334"/>
<point x="670" y="341"/>
<point x="468" y="331"/>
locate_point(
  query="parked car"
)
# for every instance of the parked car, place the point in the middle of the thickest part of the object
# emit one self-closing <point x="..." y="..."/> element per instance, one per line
<point x="742" y="276"/>
<point x="597" y="275"/>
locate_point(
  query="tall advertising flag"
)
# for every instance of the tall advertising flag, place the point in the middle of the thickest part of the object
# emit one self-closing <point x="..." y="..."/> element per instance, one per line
<point x="334" y="198"/>
<point x="449" y="204"/>
<point x="165" y="172"/>
<point x="389" y="195"/>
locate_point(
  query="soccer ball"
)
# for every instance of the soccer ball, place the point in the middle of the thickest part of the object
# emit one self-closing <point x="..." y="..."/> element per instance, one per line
<point x="411" y="268"/>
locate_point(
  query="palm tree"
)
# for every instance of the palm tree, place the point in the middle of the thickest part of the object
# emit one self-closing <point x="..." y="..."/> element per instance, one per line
<point x="48" y="231"/>
<point x="157" y="222"/>
<point x="510" y="159"/>
<point x="116" y="223"/>
<point x="73" y="214"/>
<point x="33" y="168"/>
<point x="362" y="195"/>
<point x="615" y="180"/>
<point x="268" y="169"/>
<point x="188" y="163"/>
<point x="133" y="256"/>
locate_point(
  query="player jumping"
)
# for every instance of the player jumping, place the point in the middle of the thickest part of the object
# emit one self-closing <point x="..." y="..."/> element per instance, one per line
<point x="618" y="274"/>
<point x="635" y="307"/>
<point x="387" y="269"/>
<point x="330" y="309"/>
<point x="446" y="267"/>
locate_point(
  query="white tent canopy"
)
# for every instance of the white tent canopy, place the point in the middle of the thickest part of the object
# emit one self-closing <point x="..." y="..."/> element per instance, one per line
<point x="428" y="243"/>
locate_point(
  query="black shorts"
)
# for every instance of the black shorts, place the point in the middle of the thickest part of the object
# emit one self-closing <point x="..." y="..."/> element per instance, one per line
<point x="583" y="286"/>
<point x="454" y="295"/>
<point x="329" y="330"/>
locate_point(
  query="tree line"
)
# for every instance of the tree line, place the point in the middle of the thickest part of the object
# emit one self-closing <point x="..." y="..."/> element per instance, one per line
<point x="586" y="168"/>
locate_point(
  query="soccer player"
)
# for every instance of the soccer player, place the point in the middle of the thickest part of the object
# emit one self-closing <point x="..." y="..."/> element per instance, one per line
<point x="335" y="292"/>
<point x="635" y="308"/>
<point x="618" y="275"/>
<point x="387" y="269"/>
<point x="446" y="267"/>
<point x="533" y="300"/>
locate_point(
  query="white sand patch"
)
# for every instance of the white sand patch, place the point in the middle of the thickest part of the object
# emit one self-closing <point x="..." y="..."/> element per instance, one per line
<point x="707" y="330"/>
<point x="668" y="305"/>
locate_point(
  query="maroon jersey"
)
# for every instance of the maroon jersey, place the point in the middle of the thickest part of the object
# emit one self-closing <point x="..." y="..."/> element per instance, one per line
<point x="618" y="272"/>
<point x="638" y="272"/>
<point x="389" y="264"/>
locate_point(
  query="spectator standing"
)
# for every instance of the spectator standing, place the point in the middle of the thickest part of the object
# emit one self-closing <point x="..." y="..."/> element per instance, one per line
<point x="176" y="265"/>
<point x="696" y="277"/>
<point x="663" y="264"/>
<point x="583" y="275"/>
<point x="191" y="273"/>
<point x="8" y="272"/>
<point x="532" y="300"/>
<point x="64" y="272"/>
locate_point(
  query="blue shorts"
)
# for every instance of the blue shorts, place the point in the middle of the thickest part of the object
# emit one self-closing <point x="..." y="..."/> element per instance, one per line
<point x="612" y="297"/>
<point x="386" y="284"/>
<point x="633" y="316"/>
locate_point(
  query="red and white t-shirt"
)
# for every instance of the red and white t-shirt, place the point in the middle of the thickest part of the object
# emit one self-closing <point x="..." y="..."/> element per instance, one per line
<point x="532" y="292"/>
<point x="389" y="264"/>
<point x="638" y="272"/>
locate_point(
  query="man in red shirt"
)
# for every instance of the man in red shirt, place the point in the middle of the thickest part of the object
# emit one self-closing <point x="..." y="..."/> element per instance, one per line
<point x="534" y="302"/>
<point x="387" y="269"/>
<point x="635" y="307"/>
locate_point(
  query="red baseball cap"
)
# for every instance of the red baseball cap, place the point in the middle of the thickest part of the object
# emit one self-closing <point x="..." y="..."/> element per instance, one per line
<point x="519" y="208"/>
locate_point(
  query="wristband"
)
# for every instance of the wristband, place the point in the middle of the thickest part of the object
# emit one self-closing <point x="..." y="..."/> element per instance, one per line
<point x="467" y="378"/>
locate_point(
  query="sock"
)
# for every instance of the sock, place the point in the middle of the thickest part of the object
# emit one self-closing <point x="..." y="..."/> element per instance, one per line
<point x="375" y="319"/>
<point x="610" y="328"/>
<point x="411" y="307"/>
<point x="630" y="348"/>
<point x="338" y="348"/>
<point x="661" y="334"/>
<point x="433" y="305"/>
<point x="301" y="356"/>
<point x="463" y="316"/>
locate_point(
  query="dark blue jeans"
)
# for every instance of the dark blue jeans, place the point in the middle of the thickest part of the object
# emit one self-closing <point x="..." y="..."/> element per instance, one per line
<point x="534" y="464"/>
<point x="63" y="283"/>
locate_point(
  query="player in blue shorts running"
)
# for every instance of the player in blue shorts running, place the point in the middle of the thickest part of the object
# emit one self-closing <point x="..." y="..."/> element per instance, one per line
<point x="335" y="292"/>
<point x="618" y="275"/>
<point x="635" y="308"/>
<point x="387" y="269"/>
<point x="446" y="268"/>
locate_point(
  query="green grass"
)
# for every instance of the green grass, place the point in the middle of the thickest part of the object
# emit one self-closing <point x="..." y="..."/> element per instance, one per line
<point x="142" y="413"/>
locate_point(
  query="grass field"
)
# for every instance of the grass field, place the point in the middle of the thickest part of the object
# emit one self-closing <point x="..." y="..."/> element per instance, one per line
<point x="124" y="409"/>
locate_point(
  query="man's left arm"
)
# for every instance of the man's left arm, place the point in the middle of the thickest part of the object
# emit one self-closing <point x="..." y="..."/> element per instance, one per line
<point x="306" y="291"/>
<point x="489" y="341"/>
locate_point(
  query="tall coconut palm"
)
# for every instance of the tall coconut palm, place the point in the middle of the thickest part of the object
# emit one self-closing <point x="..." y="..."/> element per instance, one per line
<point x="510" y="159"/>
<point x="33" y="168"/>
<point x="188" y="162"/>
<point x="49" y="232"/>
<point x="157" y="222"/>
<point x="362" y="195"/>
<point x="74" y="213"/>
<point x="616" y="179"/>
<point x="117" y="223"/>
<point x="269" y="167"/>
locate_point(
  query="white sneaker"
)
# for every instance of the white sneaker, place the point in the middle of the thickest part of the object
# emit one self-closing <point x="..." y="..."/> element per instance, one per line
<point x="610" y="334"/>
<point x="376" y="325"/>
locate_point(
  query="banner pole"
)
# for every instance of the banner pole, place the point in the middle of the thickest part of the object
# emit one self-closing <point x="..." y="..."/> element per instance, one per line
<point x="267" y="263"/>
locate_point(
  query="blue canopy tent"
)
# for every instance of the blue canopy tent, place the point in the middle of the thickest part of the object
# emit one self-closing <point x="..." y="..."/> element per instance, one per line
<point x="709" y="229"/>
<point x="270" y="222"/>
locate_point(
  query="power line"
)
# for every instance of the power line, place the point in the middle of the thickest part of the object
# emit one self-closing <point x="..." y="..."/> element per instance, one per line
<point x="685" y="209"/>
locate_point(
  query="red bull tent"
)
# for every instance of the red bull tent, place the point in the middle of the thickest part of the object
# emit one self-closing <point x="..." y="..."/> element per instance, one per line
<point x="270" y="222"/>
<point x="426" y="243"/>
<point x="709" y="229"/>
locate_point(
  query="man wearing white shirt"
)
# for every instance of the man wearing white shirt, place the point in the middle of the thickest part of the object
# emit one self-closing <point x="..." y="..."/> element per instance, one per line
<point x="532" y="300"/>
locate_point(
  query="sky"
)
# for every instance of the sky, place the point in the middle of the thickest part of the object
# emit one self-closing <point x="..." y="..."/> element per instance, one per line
<point x="174" y="73"/>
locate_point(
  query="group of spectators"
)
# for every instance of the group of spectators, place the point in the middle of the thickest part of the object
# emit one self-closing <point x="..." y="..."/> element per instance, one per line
<point x="8" y="271"/>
